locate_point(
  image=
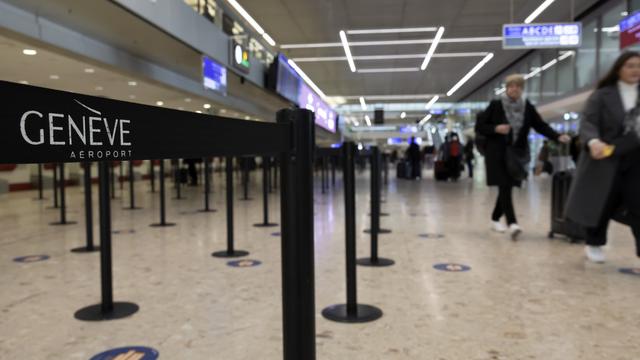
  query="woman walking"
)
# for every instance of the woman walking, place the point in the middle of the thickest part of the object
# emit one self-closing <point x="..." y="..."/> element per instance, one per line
<point x="607" y="183"/>
<point x="506" y="124"/>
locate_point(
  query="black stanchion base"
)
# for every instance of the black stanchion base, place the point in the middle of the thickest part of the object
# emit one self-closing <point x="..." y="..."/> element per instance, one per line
<point x="381" y="231"/>
<point x="162" y="225"/>
<point x="209" y="210"/>
<point x="381" y="214"/>
<point x="53" y="207"/>
<point x="230" y="254"/>
<point x="378" y="263"/>
<point x="179" y="198"/>
<point x="247" y="199"/>
<point x="364" y="313"/>
<point x="132" y="208"/>
<point x="37" y="199"/>
<point x="56" y="223"/>
<point x="265" y="225"/>
<point x="94" y="312"/>
<point x="84" y="249"/>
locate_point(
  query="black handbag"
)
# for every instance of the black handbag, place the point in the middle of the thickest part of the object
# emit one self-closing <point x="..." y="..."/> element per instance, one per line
<point x="517" y="160"/>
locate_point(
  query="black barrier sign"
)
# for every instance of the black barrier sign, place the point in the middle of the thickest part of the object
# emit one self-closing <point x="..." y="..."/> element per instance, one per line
<point x="43" y="125"/>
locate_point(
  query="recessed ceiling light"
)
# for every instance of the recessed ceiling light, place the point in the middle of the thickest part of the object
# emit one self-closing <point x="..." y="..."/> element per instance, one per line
<point x="199" y="112"/>
<point x="403" y="115"/>
<point x="89" y="70"/>
<point x="29" y="52"/>
<point x="25" y="82"/>
<point x="159" y="103"/>
<point x="132" y="97"/>
<point x="207" y="106"/>
<point x="247" y="118"/>
<point x="99" y="88"/>
<point x="54" y="77"/>
<point x="132" y="83"/>
<point x="187" y="99"/>
<point x="223" y="111"/>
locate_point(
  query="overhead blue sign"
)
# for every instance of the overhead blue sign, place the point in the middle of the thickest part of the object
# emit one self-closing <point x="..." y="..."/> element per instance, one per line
<point x="535" y="36"/>
<point x="214" y="75"/>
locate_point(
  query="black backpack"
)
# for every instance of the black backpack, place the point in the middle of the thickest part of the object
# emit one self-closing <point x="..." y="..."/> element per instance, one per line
<point x="480" y="139"/>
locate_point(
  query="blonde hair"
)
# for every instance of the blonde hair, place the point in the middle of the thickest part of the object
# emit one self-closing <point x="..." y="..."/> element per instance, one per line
<point x="514" y="79"/>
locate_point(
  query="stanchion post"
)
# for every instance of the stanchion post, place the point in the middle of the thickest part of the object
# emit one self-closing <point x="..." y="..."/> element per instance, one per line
<point x="163" y="211"/>
<point x="152" y="175"/>
<point x="178" y="181"/>
<point x="265" y="193"/>
<point x="113" y="180"/>
<point x="231" y="251"/>
<point x="323" y="173"/>
<point x="88" y="211"/>
<point x="296" y="197"/>
<point x="132" y="193"/>
<point x="63" y="204"/>
<point x="55" y="186"/>
<point x="107" y="309"/>
<point x="351" y="312"/>
<point x="40" y="185"/>
<point x="207" y="186"/>
<point x="245" y="178"/>
<point x="376" y="176"/>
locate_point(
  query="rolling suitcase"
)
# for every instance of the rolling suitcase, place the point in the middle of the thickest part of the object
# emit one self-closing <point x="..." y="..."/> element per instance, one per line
<point x="440" y="171"/>
<point x="403" y="170"/>
<point x="561" y="183"/>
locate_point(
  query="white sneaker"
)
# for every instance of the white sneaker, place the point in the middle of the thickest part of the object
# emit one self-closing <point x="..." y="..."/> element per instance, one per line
<point x="594" y="254"/>
<point x="515" y="231"/>
<point x="497" y="226"/>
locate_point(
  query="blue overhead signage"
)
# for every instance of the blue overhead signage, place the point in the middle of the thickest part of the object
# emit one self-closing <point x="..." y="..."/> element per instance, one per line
<point x="214" y="75"/>
<point x="535" y="36"/>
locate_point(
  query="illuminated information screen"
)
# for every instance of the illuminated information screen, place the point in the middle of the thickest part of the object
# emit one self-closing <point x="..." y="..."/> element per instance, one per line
<point x="536" y="36"/>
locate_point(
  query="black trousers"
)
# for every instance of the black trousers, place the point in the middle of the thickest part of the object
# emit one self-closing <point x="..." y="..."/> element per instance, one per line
<point x="470" y="167"/>
<point x="504" y="205"/>
<point x="626" y="194"/>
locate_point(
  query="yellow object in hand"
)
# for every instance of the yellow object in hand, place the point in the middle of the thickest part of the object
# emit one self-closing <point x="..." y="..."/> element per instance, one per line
<point x="608" y="150"/>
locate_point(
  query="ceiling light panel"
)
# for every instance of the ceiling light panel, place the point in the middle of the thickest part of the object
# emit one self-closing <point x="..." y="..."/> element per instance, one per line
<point x="432" y="48"/>
<point x="468" y="76"/>
<point x="545" y="4"/>
<point x="392" y="31"/>
<point x="347" y="51"/>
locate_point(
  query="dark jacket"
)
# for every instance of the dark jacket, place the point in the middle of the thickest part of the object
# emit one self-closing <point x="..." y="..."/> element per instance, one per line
<point x="413" y="153"/>
<point x="496" y="144"/>
<point x="603" y="119"/>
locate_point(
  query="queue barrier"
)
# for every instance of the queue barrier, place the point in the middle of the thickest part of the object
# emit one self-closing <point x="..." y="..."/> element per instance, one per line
<point x="86" y="128"/>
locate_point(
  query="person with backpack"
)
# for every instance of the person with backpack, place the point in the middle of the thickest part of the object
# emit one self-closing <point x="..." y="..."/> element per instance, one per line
<point x="454" y="158"/>
<point x="505" y="126"/>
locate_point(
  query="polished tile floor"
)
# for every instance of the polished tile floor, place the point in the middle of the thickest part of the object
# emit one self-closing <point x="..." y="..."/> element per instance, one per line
<point x="534" y="299"/>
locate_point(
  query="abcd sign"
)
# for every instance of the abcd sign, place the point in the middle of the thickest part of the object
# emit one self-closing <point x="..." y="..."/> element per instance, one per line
<point x="536" y="36"/>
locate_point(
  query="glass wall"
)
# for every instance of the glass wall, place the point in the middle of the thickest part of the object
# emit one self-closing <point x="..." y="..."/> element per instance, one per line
<point x="587" y="54"/>
<point x="610" y="36"/>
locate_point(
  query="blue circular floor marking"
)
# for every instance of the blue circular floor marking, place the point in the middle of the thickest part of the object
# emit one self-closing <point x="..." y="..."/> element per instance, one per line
<point x="451" y="267"/>
<point x="431" y="236"/>
<point x="276" y="234"/>
<point x="31" y="258"/>
<point x="630" y="271"/>
<point x="244" y="263"/>
<point x="128" y="352"/>
<point x="127" y="231"/>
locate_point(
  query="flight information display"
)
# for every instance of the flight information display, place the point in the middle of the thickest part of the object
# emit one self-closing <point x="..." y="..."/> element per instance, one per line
<point x="214" y="75"/>
<point x="536" y="36"/>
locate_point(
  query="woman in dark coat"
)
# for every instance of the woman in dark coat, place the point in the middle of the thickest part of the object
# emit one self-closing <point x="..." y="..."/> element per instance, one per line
<point x="506" y="123"/>
<point x="607" y="182"/>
